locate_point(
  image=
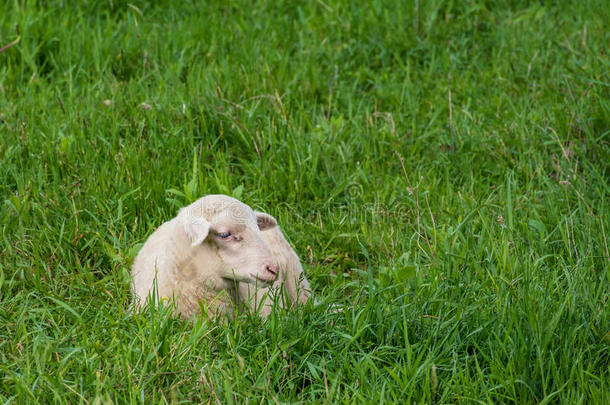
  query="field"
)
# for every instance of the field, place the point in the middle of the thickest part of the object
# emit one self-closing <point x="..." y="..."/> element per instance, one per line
<point x="441" y="167"/>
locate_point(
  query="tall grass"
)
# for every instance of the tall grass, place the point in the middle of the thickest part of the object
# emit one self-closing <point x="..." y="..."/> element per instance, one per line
<point x="440" y="167"/>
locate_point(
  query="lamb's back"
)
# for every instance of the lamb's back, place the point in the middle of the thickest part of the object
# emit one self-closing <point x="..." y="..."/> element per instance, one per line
<point x="155" y="259"/>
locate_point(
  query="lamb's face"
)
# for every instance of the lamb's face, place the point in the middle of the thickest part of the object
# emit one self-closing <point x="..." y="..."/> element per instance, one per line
<point x="231" y="230"/>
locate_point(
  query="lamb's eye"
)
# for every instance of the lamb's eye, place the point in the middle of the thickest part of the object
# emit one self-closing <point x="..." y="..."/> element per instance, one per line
<point x="224" y="235"/>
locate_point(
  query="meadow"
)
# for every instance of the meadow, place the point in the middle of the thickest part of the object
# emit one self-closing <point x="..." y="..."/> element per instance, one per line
<point x="441" y="167"/>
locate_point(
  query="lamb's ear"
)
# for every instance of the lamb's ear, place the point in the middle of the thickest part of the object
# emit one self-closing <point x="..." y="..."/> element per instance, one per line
<point x="265" y="221"/>
<point x="196" y="228"/>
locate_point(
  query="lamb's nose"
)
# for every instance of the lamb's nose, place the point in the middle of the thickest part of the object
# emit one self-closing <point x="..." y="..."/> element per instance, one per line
<point x="271" y="268"/>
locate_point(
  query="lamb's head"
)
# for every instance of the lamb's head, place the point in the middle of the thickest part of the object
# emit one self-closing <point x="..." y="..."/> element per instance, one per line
<point x="231" y="232"/>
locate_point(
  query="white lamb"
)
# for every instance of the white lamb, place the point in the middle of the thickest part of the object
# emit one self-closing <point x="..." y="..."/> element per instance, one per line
<point x="214" y="253"/>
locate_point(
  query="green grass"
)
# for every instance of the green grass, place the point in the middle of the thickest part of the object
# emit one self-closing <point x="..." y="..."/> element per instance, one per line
<point x="468" y="241"/>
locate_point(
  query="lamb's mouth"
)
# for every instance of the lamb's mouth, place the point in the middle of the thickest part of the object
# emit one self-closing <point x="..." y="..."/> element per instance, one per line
<point x="256" y="279"/>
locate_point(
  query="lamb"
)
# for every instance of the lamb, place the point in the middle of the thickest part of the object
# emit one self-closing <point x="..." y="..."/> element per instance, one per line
<point x="216" y="253"/>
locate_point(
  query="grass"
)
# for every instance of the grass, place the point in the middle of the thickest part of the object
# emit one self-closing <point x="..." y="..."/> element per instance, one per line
<point x="441" y="168"/>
